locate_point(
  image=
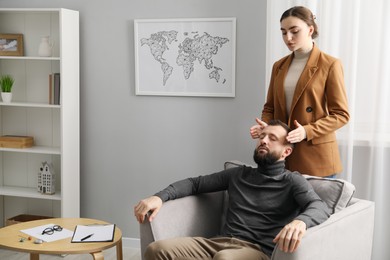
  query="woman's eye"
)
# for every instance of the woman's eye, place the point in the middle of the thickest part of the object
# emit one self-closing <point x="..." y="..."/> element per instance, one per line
<point x="295" y="32"/>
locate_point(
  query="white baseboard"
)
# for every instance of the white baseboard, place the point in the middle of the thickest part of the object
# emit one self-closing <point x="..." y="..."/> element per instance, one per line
<point x="131" y="242"/>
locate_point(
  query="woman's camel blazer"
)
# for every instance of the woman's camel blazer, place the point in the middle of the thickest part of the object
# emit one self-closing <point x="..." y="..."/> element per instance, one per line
<point x="319" y="104"/>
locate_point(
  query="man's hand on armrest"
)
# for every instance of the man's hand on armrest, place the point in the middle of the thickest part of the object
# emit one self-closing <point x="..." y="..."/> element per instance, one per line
<point x="290" y="236"/>
<point x="152" y="204"/>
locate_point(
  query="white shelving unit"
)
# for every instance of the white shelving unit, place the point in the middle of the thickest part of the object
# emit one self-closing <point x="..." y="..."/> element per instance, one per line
<point x="55" y="128"/>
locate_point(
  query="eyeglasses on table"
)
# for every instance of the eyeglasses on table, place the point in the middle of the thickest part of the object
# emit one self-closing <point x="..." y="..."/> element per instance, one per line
<point x="50" y="230"/>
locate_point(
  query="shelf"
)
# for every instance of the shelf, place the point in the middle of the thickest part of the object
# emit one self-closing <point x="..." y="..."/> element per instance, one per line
<point x="23" y="104"/>
<point x="34" y="149"/>
<point x="28" y="58"/>
<point x="29" y="10"/>
<point x="56" y="127"/>
<point x="27" y="193"/>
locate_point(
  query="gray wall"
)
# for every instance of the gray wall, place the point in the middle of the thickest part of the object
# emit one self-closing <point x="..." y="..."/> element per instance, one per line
<point x="132" y="146"/>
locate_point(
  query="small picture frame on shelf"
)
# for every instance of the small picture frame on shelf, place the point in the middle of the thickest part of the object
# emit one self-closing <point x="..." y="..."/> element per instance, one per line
<point x="11" y="44"/>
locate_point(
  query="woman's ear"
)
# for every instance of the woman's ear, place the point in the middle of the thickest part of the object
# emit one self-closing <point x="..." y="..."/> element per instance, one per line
<point x="311" y="30"/>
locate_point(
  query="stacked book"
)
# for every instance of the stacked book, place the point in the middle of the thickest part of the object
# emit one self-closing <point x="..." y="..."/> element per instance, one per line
<point x="54" y="89"/>
<point x="16" y="141"/>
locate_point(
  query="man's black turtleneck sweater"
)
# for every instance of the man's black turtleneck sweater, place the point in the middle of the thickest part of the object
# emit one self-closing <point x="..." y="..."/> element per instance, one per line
<point x="261" y="200"/>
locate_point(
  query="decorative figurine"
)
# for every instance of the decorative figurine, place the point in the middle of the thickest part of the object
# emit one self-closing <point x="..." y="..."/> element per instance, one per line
<point x="46" y="179"/>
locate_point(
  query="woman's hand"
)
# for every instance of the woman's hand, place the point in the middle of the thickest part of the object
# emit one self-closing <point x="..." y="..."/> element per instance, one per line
<point x="296" y="135"/>
<point x="256" y="130"/>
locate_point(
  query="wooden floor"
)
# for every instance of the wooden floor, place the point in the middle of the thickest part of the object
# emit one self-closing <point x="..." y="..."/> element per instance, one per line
<point x="109" y="254"/>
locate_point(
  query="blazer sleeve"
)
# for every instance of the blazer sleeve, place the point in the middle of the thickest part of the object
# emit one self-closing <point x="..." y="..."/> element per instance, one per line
<point x="269" y="106"/>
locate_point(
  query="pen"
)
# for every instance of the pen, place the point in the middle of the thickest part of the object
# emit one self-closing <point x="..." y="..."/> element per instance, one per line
<point x="84" y="238"/>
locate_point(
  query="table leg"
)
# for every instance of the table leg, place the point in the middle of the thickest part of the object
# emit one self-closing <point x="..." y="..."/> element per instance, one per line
<point x="119" y="252"/>
<point x="98" y="255"/>
<point x="34" y="256"/>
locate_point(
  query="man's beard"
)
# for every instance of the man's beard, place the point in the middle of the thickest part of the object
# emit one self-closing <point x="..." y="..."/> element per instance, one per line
<point x="265" y="159"/>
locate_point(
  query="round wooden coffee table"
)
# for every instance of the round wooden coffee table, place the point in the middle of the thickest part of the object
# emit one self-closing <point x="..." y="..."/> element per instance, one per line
<point x="10" y="239"/>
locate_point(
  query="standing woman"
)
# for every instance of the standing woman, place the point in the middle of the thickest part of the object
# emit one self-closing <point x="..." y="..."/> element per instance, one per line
<point x="307" y="92"/>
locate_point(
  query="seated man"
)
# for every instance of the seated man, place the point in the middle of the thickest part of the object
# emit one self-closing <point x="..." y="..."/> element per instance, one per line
<point x="267" y="205"/>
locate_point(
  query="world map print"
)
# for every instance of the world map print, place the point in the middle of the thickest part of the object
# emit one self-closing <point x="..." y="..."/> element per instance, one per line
<point x="185" y="57"/>
<point x="196" y="47"/>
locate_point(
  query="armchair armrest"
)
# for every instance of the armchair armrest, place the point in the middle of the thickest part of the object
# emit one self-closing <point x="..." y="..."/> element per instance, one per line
<point x="199" y="215"/>
<point x="347" y="234"/>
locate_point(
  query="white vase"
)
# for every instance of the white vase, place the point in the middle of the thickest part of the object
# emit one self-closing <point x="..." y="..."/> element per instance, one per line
<point x="45" y="47"/>
<point x="6" y="97"/>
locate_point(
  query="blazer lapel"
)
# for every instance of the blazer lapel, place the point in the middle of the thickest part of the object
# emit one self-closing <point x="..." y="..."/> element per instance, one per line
<point x="307" y="73"/>
<point x="279" y="83"/>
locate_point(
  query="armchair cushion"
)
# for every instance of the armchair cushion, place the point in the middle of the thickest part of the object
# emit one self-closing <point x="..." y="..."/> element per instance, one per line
<point x="336" y="193"/>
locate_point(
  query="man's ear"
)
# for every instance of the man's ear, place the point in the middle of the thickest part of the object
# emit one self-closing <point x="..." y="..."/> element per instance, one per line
<point x="287" y="151"/>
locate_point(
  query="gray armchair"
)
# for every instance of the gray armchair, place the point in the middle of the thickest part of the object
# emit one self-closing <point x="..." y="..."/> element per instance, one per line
<point x="347" y="234"/>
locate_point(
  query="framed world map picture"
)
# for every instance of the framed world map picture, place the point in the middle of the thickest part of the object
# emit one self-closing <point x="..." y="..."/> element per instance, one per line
<point x="185" y="57"/>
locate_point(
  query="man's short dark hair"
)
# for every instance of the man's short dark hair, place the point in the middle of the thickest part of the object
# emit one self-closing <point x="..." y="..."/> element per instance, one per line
<point x="278" y="122"/>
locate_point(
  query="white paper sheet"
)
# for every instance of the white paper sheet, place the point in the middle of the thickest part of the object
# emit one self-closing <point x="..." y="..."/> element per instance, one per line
<point x="94" y="233"/>
<point x="57" y="235"/>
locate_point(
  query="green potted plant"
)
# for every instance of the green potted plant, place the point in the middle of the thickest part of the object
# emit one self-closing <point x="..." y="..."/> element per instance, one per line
<point x="6" y="83"/>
